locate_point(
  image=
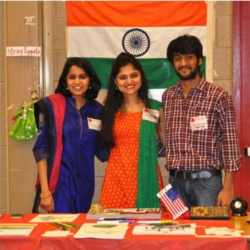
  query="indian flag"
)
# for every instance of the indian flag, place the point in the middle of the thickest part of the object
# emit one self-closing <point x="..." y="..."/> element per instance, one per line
<point x="100" y="30"/>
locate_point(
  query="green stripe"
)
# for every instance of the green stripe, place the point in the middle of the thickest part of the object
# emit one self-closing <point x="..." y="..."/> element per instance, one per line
<point x="148" y="185"/>
<point x="159" y="72"/>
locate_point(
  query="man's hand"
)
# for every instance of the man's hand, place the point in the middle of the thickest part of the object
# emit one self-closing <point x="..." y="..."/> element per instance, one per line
<point x="225" y="197"/>
<point x="226" y="194"/>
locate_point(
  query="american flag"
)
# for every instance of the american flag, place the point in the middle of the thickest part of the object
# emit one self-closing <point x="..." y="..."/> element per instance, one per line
<point x="171" y="200"/>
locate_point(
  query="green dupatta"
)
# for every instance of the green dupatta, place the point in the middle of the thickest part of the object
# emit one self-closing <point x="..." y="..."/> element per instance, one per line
<point x="148" y="185"/>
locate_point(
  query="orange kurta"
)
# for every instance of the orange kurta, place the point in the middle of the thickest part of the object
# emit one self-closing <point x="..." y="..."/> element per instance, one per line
<point x="119" y="188"/>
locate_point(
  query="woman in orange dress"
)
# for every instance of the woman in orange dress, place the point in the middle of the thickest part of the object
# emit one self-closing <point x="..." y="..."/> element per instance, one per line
<point x="130" y="122"/>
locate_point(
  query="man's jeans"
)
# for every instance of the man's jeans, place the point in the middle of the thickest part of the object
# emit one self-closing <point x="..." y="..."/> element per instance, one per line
<point x="198" y="192"/>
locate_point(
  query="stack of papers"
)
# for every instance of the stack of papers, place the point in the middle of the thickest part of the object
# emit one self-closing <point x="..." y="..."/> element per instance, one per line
<point x="54" y="218"/>
<point x="185" y="229"/>
<point x="56" y="233"/>
<point x="102" y="231"/>
<point x="16" y="229"/>
<point x="128" y="213"/>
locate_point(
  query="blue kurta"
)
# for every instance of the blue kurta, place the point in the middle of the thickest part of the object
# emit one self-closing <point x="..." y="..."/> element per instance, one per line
<point x="75" y="186"/>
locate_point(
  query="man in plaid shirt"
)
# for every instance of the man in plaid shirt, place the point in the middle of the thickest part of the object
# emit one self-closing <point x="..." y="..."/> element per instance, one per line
<point x="201" y="136"/>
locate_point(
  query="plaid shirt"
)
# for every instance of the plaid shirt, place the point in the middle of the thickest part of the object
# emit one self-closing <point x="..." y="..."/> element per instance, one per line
<point x="214" y="147"/>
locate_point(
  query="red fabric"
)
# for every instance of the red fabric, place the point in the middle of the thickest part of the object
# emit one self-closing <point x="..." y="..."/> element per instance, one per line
<point x="58" y="102"/>
<point x="131" y="242"/>
<point x="241" y="76"/>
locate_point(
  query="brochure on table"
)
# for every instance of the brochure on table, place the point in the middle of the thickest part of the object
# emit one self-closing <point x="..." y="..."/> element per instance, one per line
<point x="55" y="218"/>
<point x="16" y="229"/>
<point x="102" y="231"/>
<point x="187" y="229"/>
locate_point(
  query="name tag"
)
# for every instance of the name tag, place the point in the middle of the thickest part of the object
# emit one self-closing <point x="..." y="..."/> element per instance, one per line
<point x="94" y="124"/>
<point x="151" y="115"/>
<point x="198" y="123"/>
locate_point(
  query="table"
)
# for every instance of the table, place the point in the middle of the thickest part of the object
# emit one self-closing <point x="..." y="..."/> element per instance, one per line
<point x="242" y="224"/>
<point x="130" y="242"/>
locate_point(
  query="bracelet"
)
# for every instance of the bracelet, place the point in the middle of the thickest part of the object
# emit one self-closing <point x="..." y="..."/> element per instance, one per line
<point x="44" y="197"/>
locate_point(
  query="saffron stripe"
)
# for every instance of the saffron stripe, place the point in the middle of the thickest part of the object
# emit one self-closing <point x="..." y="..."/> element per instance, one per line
<point x="151" y="13"/>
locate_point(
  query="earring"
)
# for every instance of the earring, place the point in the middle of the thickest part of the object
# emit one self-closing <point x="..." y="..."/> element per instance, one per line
<point x="91" y="78"/>
<point x="67" y="88"/>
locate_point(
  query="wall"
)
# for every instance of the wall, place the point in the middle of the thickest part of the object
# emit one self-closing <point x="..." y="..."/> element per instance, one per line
<point x="223" y="45"/>
<point x="3" y="151"/>
<point x="222" y="74"/>
<point x="22" y="76"/>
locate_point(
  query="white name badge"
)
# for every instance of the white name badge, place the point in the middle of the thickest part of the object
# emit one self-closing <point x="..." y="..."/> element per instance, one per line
<point x="94" y="124"/>
<point x="198" y="123"/>
<point x="151" y="115"/>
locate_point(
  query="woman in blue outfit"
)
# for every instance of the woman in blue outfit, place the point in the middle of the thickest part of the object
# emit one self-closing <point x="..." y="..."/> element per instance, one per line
<point x="68" y="124"/>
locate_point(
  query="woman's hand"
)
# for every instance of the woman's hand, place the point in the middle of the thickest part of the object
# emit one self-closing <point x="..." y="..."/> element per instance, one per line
<point x="47" y="201"/>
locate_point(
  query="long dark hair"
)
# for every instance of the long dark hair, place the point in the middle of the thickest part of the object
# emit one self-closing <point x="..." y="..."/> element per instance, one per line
<point x="115" y="98"/>
<point x="84" y="64"/>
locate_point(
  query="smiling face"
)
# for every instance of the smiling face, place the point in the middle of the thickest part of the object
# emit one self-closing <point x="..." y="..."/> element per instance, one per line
<point x="78" y="81"/>
<point x="129" y="80"/>
<point x="187" y="66"/>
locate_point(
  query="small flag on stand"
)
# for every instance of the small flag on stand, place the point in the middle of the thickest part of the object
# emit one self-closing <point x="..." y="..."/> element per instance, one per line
<point x="171" y="200"/>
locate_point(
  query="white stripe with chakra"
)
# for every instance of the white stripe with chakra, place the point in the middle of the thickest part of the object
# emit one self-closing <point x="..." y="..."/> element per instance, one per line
<point x="106" y="42"/>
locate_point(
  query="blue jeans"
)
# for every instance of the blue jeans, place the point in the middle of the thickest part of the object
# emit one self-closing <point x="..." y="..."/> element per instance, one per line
<point x="197" y="192"/>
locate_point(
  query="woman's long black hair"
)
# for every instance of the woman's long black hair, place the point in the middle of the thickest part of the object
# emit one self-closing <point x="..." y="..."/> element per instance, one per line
<point x="115" y="98"/>
<point x="84" y="64"/>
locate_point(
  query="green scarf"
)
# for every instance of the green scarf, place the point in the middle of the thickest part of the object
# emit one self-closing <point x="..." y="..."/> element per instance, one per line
<point x="148" y="185"/>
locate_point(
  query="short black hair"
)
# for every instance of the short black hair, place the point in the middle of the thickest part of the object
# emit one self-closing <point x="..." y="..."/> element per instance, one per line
<point x="84" y="64"/>
<point x="184" y="45"/>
